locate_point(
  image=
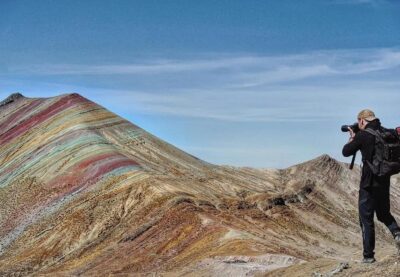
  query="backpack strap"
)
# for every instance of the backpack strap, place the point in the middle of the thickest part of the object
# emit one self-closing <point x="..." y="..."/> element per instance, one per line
<point x="377" y="136"/>
<point x="375" y="133"/>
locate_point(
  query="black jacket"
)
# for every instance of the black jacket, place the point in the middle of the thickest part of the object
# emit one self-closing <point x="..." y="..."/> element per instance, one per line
<point x="365" y="142"/>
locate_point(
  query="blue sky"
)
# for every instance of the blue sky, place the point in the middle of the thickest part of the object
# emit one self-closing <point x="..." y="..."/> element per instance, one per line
<point x="245" y="83"/>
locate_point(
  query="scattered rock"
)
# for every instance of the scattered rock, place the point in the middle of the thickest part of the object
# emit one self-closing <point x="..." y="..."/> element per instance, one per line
<point x="339" y="268"/>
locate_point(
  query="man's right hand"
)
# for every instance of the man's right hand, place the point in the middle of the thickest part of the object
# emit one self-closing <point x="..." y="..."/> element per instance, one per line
<point x="352" y="134"/>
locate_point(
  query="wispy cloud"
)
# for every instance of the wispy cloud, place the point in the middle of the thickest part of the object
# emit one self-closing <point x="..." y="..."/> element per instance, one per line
<point x="149" y="67"/>
<point x="244" y="88"/>
<point x="239" y="71"/>
<point x="279" y="104"/>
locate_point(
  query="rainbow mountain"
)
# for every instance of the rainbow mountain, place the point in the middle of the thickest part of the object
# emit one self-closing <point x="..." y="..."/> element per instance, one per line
<point x="84" y="192"/>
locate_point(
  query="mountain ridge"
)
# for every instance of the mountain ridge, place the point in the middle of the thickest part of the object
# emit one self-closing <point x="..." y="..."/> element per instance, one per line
<point x="86" y="192"/>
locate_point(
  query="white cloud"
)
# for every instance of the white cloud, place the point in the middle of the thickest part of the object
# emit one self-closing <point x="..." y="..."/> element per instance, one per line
<point x="309" y="103"/>
<point x="244" y="88"/>
<point x="243" y="70"/>
<point x="149" y="67"/>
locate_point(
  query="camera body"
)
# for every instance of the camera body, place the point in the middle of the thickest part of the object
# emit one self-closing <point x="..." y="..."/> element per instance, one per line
<point x="354" y="127"/>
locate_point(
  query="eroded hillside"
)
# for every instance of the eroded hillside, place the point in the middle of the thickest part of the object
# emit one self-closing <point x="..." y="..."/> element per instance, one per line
<point x="85" y="192"/>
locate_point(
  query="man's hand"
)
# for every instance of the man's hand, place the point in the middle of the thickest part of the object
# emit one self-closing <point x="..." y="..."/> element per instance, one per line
<point x="352" y="134"/>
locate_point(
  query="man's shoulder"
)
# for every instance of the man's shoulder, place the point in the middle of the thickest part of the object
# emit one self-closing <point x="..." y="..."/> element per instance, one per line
<point x="378" y="131"/>
<point x="364" y="136"/>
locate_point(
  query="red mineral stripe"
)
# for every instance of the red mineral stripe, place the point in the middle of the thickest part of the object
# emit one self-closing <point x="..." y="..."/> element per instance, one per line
<point x="80" y="173"/>
<point x="18" y="114"/>
<point x="63" y="103"/>
<point x="113" y="165"/>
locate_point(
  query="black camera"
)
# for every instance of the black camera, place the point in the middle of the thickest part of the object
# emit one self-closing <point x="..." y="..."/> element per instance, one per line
<point x="354" y="127"/>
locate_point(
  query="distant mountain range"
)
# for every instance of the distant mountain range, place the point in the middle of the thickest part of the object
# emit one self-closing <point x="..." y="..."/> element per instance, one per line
<point x="84" y="192"/>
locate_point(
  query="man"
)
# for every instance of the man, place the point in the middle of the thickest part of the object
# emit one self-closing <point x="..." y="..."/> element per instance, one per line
<point x="374" y="190"/>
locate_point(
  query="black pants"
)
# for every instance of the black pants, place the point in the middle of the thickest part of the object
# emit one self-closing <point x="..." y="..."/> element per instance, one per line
<point x="374" y="199"/>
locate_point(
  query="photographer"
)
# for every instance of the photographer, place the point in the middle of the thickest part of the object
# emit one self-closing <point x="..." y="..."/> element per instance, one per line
<point x="374" y="190"/>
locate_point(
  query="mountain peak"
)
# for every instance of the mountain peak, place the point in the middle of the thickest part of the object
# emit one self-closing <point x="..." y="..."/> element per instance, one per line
<point x="325" y="161"/>
<point x="11" y="98"/>
<point x="325" y="158"/>
<point x="323" y="165"/>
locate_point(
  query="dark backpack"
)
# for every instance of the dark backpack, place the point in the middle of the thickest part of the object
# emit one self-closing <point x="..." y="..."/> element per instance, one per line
<point x="386" y="156"/>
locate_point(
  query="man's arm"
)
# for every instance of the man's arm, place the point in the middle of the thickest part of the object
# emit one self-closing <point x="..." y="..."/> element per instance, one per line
<point x="352" y="146"/>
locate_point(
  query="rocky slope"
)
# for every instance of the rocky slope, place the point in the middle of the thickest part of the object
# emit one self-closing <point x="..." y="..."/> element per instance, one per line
<point x="84" y="192"/>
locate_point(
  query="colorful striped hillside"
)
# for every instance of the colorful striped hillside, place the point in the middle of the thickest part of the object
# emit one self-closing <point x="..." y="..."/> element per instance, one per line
<point x="70" y="170"/>
<point x="59" y="144"/>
